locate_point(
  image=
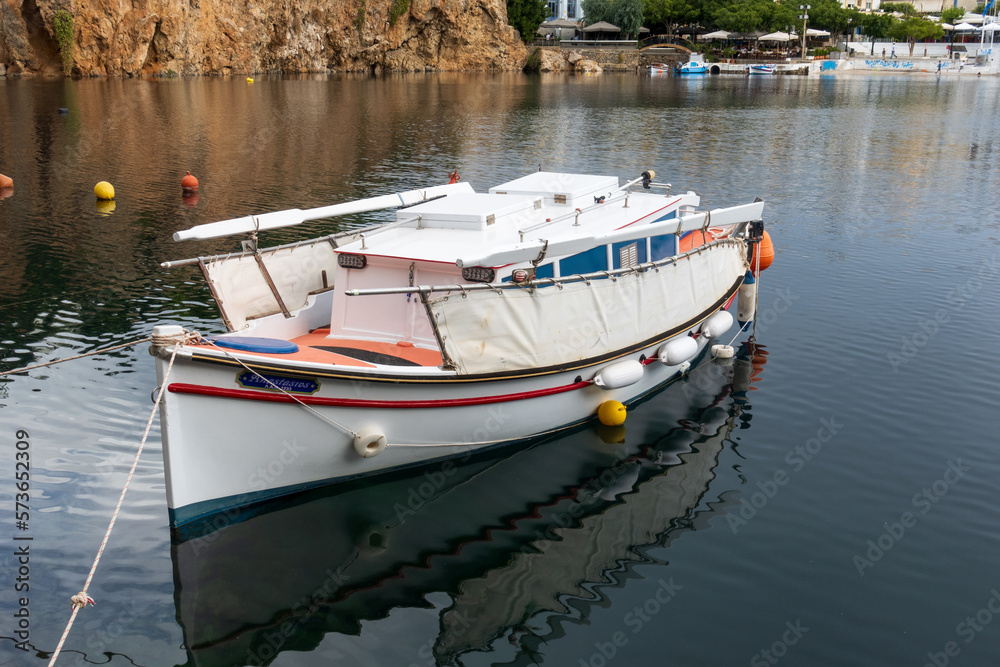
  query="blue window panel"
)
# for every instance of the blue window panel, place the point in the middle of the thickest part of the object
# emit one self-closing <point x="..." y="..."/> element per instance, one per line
<point x="617" y="247"/>
<point x="663" y="246"/>
<point x="595" y="259"/>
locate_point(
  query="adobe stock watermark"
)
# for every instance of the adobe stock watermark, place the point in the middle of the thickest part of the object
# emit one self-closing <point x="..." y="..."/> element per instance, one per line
<point x="273" y="640"/>
<point x="101" y="640"/>
<point x="923" y="501"/>
<point x="265" y="476"/>
<point x="766" y="317"/>
<point x="967" y="629"/>
<point x="928" y="328"/>
<point x="635" y="620"/>
<point x="796" y="459"/>
<point x="779" y="649"/>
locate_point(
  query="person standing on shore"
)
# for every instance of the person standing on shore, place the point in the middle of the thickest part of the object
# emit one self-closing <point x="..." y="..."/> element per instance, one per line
<point x="893" y="50"/>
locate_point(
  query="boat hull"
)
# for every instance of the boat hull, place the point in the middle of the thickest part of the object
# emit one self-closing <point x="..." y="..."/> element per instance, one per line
<point x="227" y="447"/>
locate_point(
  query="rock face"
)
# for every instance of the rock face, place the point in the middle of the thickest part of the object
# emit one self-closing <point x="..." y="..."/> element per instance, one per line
<point x="557" y="60"/>
<point x="154" y="37"/>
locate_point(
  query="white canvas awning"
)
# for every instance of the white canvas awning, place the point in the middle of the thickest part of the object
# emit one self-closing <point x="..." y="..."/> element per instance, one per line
<point x="775" y="37"/>
<point x="718" y="34"/>
<point x="965" y="26"/>
<point x="947" y="26"/>
<point x="990" y="27"/>
<point x="812" y="32"/>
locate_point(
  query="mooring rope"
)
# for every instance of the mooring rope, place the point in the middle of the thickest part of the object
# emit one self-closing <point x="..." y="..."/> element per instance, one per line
<point x="81" y="599"/>
<point x="78" y="356"/>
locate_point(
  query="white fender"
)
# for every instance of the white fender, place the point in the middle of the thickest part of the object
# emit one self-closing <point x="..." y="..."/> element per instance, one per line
<point x="369" y="442"/>
<point x="746" y="304"/>
<point x="717" y="324"/>
<point x="618" y="375"/>
<point x="677" y="351"/>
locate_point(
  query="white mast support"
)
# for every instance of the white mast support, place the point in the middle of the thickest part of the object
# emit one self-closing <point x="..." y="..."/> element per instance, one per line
<point x="294" y="216"/>
<point x="523" y="252"/>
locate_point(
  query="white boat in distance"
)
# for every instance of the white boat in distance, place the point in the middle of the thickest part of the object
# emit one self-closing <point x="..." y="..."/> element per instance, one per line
<point x="471" y="321"/>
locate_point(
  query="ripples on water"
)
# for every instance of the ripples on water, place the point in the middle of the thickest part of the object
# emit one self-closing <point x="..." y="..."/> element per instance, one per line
<point x="882" y="202"/>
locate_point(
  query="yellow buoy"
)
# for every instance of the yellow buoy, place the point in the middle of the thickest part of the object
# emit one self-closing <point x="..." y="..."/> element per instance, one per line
<point x="104" y="190"/>
<point x="611" y="413"/>
<point x="249" y="80"/>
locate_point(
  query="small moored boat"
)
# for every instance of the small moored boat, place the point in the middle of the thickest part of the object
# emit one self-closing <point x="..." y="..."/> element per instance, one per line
<point x="762" y="69"/>
<point x="694" y="66"/>
<point x="472" y="320"/>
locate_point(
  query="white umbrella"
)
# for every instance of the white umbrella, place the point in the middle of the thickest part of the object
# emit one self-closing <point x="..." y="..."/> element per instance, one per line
<point x="965" y="26"/>
<point x="775" y="37"/>
<point x="811" y="32"/>
<point x="947" y="26"/>
<point x="990" y="27"/>
<point x="718" y="34"/>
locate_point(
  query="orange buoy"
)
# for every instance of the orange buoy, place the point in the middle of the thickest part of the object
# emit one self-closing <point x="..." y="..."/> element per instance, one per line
<point x="189" y="183"/>
<point x="453" y="177"/>
<point x="765" y="249"/>
<point x="6" y="181"/>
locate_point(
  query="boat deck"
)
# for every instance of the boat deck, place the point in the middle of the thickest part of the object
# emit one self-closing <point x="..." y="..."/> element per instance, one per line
<point x="317" y="348"/>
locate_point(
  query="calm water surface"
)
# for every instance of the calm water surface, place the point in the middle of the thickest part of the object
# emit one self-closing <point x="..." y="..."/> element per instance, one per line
<point x="830" y="498"/>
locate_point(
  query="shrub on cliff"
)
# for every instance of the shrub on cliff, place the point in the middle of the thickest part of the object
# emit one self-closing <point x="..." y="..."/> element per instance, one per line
<point x="526" y="15"/>
<point x="534" y="63"/>
<point x="62" y="26"/>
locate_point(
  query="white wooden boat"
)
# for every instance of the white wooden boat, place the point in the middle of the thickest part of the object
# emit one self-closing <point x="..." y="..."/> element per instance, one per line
<point x="471" y="321"/>
<point x="584" y="507"/>
<point x="763" y="69"/>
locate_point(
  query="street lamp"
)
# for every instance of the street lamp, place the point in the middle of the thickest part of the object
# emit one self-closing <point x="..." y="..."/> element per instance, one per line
<point x="805" y="21"/>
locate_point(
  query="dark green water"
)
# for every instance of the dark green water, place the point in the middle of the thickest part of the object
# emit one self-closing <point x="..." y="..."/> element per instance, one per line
<point x="831" y="498"/>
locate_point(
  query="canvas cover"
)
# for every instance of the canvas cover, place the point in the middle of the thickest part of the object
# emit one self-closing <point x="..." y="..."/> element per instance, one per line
<point x="243" y="294"/>
<point x="490" y="331"/>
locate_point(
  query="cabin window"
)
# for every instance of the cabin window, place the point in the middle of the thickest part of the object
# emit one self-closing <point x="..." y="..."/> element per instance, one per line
<point x="661" y="247"/>
<point x="595" y="259"/>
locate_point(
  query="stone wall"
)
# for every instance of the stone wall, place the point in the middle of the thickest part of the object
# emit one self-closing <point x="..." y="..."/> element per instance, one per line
<point x="556" y="59"/>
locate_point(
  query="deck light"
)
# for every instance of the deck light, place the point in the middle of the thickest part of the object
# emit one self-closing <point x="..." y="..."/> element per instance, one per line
<point x="478" y="274"/>
<point x="352" y="261"/>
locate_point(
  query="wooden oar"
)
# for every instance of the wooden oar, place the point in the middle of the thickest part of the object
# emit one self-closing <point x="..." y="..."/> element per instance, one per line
<point x="294" y="216"/>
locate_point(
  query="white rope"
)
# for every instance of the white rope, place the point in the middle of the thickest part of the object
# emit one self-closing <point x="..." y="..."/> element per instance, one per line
<point x="290" y="395"/>
<point x="81" y="599"/>
<point x="79" y="356"/>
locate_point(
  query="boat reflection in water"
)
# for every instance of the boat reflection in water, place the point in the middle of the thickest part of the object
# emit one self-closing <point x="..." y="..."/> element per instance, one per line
<point x="520" y="530"/>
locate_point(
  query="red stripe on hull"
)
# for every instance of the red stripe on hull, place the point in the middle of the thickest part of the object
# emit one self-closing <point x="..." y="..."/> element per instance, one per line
<point x="182" y="388"/>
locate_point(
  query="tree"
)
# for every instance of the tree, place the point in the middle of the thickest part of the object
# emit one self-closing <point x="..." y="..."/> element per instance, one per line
<point x="829" y="15"/>
<point x="626" y="14"/>
<point x="952" y="14"/>
<point x="877" y="26"/>
<point x="913" y="28"/>
<point x="670" y="13"/>
<point x="750" y="15"/>
<point x="904" y="8"/>
<point x="526" y="15"/>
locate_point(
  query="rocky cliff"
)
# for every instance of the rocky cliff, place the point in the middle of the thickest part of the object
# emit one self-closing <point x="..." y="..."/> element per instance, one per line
<point x="155" y="37"/>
